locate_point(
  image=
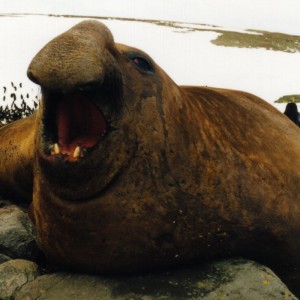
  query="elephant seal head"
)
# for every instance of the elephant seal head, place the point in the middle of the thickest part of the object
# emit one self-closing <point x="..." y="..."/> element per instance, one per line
<point x="98" y="99"/>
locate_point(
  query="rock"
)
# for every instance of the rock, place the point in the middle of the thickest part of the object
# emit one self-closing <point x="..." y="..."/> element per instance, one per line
<point x="230" y="279"/>
<point x="4" y="258"/>
<point x="14" y="274"/>
<point x="16" y="232"/>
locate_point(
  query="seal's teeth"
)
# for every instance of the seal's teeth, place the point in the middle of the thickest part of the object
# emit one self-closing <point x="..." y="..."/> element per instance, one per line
<point x="56" y="149"/>
<point x="77" y="152"/>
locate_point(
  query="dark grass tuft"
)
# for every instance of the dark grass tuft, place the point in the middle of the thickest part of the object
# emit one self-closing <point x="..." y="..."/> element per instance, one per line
<point x="15" y="112"/>
<point x="14" y="102"/>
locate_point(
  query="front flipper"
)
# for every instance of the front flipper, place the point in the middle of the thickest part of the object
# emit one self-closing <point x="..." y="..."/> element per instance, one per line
<point x="16" y="159"/>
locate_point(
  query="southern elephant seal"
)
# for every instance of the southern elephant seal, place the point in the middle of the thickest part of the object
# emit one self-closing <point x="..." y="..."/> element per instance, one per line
<point x="130" y="172"/>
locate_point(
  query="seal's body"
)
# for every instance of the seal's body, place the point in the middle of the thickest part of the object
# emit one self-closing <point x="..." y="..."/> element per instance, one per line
<point x="131" y="172"/>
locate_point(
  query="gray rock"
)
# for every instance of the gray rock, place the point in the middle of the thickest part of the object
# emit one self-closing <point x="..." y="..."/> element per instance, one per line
<point x="231" y="279"/>
<point x="4" y="258"/>
<point x="16" y="232"/>
<point x="14" y="274"/>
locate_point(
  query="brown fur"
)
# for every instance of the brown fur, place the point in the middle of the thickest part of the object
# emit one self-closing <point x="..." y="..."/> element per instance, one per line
<point x="189" y="173"/>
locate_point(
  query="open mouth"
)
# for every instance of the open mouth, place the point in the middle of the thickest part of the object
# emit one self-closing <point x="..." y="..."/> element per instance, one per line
<point x="73" y="125"/>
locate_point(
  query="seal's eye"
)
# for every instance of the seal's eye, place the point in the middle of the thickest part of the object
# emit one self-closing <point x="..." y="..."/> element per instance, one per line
<point x="141" y="62"/>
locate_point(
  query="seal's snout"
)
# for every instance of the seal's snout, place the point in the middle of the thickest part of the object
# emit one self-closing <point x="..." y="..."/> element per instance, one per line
<point x="80" y="57"/>
<point x="81" y="85"/>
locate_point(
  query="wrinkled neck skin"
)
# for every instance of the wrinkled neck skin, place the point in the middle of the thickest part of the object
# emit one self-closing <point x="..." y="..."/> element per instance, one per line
<point x="120" y="185"/>
<point x="136" y="148"/>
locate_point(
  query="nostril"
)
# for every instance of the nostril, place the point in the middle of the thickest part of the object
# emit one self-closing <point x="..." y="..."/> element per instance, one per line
<point x="32" y="77"/>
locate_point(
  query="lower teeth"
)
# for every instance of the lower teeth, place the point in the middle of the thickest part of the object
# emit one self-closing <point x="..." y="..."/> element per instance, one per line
<point x="56" y="149"/>
<point x="78" y="152"/>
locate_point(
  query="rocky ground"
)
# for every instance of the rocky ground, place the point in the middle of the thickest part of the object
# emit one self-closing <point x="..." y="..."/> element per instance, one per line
<point x="24" y="274"/>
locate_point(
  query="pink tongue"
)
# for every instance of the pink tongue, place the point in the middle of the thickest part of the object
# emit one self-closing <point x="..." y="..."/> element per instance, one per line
<point x="79" y="123"/>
